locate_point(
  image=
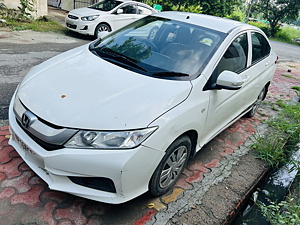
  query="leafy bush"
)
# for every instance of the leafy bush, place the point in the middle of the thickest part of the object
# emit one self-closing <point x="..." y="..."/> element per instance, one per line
<point x="263" y="26"/>
<point x="26" y="8"/>
<point x="237" y="15"/>
<point x="283" y="213"/>
<point x="287" y="34"/>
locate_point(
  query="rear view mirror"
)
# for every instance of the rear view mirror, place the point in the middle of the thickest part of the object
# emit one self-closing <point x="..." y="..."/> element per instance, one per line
<point x="229" y="80"/>
<point x="119" y="11"/>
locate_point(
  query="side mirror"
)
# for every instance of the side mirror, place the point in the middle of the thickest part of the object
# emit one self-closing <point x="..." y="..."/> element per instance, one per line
<point x="229" y="80"/>
<point x="120" y="11"/>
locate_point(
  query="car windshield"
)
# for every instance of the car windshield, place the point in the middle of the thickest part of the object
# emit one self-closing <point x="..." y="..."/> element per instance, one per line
<point x="160" y="47"/>
<point x="105" y="5"/>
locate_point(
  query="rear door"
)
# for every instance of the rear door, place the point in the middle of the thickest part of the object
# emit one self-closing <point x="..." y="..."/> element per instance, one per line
<point x="261" y="63"/>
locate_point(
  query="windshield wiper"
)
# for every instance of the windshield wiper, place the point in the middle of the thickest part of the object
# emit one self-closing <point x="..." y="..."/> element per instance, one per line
<point x="170" y="74"/>
<point x="117" y="57"/>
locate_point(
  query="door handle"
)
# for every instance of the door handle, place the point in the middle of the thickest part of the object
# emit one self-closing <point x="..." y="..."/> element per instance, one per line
<point x="267" y="63"/>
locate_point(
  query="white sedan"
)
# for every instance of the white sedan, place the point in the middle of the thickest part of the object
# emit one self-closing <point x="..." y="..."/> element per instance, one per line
<point x="122" y="116"/>
<point x="106" y="15"/>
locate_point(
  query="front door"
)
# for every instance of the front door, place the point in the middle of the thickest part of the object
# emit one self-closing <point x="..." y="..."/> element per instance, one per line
<point x="227" y="105"/>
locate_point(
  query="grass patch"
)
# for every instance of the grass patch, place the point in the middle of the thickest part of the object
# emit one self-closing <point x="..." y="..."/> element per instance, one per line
<point x="297" y="88"/>
<point x="291" y="66"/>
<point x="285" y="131"/>
<point x="275" y="148"/>
<point x="16" y="20"/>
<point x="286" y="75"/>
<point x="35" y="25"/>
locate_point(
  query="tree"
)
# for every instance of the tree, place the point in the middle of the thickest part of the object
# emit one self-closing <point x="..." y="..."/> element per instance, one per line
<point x="275" y="11"/>
<point x="220" y="8"/>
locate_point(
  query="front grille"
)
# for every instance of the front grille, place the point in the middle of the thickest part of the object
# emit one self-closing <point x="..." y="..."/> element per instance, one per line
<point x="73" y="17"/>
<point x="43" y="144"/>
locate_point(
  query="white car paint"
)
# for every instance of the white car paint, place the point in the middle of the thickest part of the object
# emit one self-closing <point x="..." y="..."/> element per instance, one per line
<point x="82" y="90"/>
<point x="112" y="18"/>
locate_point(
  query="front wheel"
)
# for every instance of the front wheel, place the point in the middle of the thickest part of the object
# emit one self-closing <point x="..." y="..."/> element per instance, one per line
<point x="256" y="104"/>
<point x="101" y="28"/>
<point x="171" y="166"/>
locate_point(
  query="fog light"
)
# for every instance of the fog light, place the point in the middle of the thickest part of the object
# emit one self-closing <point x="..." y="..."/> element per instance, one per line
<point x="85" y="28"/>
<point x="98" y="183"/>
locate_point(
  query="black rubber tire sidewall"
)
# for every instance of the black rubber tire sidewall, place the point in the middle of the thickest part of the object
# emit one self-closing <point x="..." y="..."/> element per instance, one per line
<point x="154" y="187"/>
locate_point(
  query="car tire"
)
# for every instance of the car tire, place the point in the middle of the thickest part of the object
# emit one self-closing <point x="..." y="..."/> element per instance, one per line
<point x="172" y="164"/>
<point x="101" y="27"/>
<point x="256" y="104"/>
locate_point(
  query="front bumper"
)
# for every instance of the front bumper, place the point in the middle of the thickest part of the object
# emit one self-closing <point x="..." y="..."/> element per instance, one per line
<point x="129" y="170"/>
<point x="79" y="26"/>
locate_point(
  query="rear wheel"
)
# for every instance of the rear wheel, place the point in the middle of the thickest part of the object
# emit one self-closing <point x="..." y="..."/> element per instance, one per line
<point x="256" y="104"/>
<point x="171" y="166"/>
<point x="100" y="28"/>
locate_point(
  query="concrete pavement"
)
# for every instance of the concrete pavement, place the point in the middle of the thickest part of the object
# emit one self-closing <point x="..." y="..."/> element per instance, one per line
<point x="211" y="188"/>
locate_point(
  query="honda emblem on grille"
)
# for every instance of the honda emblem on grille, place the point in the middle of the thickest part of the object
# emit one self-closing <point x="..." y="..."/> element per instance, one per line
<point x="27" y="119"/>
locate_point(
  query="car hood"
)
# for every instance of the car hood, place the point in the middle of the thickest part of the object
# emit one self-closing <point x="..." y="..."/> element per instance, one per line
<point x="86" y="12"/>
<point x="77" y="89"/>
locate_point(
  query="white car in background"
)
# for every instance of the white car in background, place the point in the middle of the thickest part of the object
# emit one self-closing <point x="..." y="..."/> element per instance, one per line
<point x="106" y="15"/>
<point x="121" y="116"/>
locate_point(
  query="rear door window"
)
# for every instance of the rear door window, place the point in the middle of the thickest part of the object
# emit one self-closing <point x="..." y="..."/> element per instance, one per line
<point x="260" y="47"/>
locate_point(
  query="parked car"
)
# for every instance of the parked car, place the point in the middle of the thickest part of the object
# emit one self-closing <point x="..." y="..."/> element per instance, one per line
<point x="106" y="15"/>
<point x="121" y="116"/>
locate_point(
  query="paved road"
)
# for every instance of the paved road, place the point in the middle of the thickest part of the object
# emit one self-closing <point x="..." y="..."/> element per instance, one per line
<point x="286" y="52"/>
<point x="19" y="51"/>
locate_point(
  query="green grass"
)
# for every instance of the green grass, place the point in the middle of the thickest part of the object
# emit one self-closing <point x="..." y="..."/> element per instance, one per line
<point x="286" y="75"/>
<point x="297" y="88"/>
<point x="285" y="131"/>
<point x="35" y="25"/>
<point x="275" y="148"/>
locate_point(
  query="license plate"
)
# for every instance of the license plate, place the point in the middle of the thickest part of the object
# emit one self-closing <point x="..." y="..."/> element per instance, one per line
<point x="23" y="145"/>
<point x="30" y="155"/>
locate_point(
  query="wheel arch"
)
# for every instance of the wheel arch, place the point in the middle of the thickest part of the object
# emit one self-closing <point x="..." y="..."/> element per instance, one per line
<point x="267" y="88"/>
<point x="96" y="27"/>
<point x="193" y="135"/>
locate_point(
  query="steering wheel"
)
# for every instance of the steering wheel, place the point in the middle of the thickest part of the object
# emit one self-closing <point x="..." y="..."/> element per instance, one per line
<point x="148" y="43"/>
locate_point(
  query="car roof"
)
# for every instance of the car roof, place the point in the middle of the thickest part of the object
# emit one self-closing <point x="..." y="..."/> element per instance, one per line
<point x="216" y="23"/>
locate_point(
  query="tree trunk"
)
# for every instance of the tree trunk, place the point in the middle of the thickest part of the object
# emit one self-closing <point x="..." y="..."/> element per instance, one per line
<point x="272" y="28"/>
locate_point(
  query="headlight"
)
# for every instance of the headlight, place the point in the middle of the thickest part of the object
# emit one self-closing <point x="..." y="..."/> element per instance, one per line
<point x="109" y="139"/>
<point x="89" y="18"/>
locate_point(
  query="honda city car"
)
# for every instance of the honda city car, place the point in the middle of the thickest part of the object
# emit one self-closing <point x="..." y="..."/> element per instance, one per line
<point x="106" y="15"/>
<point x="122" y="115"/>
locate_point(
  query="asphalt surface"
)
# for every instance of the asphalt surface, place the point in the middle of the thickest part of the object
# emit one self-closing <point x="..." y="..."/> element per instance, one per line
<point x="210" y="190"/>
